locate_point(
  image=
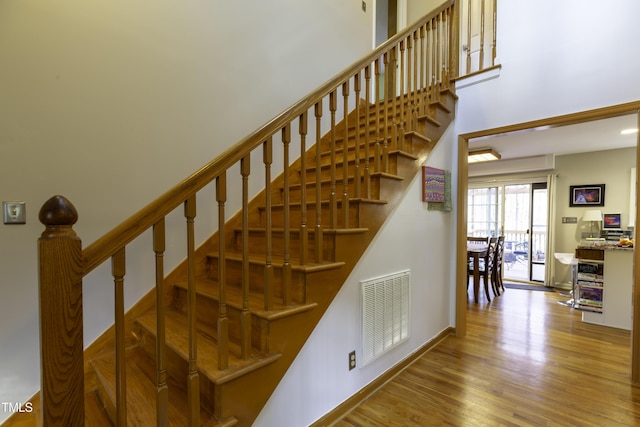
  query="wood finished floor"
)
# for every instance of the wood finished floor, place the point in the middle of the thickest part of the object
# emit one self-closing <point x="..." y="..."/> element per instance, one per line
<point x="526" y="361"/>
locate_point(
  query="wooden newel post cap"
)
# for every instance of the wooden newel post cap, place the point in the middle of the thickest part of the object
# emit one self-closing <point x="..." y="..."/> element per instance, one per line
<point x="58" y="210"/>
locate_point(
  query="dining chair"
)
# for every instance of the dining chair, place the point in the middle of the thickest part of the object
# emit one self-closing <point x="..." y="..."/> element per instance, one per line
<point x="484" y="265"/>
<point x="496" y="271"/>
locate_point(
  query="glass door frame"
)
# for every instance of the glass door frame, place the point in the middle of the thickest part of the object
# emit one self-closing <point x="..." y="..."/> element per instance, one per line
<point x="534" y="184"/>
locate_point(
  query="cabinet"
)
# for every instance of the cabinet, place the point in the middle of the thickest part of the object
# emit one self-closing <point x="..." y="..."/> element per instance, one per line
<point x="590" y="285"/>
<point x="603" y="286"/>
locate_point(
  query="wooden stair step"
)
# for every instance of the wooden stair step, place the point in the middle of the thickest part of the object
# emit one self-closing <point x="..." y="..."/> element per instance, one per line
<point x="208" y="288"/>
<point x="141" y="393"/>
<point x="207" y="358"/>
<point x="278" y="262"/>
<point x="339" y="181"/>
<point x="257" y="241"/>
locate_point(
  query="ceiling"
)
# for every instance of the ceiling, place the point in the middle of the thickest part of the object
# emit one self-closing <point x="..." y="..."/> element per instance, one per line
<point x="595" y="135"/>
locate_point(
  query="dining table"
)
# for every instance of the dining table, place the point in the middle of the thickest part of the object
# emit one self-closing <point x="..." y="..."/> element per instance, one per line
<point x="475" y="252"/>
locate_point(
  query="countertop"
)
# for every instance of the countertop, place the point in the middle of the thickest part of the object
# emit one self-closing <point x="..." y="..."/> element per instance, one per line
<point x="607" y="246"/>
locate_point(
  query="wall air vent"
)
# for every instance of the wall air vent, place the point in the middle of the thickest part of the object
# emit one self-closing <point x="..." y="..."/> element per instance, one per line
<point x="385" y="314"/>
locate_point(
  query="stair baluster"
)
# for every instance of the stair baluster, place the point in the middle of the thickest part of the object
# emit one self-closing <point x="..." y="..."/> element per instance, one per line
<point x="223" y="321"/>
<point x="318" y="228"/>
<point x="333" y="202"/>
<point x="367" y="130"/>
<point x="422" y="108"/>
<point x="193" y="380"/>
<point x="357" y="174"/>
<point x="245" y="315"/>
<point x="379" y="104"/>
<point x="388" y="94"/>
<point x="399" y="142"/>
<point x="304" y="235"/>
<point x="268" y="266"/>
<point x="345" y="156"/>
<point x="414" y="93"/>
<point x="162" y="397"/>
<point x="118" y="270"/>
<point x="286" y="265"/>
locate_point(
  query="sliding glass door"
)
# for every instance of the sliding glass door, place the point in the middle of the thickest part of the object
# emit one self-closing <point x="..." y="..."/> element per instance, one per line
<point x="519" y="212"/>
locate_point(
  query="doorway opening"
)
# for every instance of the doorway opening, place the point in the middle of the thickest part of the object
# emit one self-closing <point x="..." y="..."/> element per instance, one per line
<point x="519" y="211"/>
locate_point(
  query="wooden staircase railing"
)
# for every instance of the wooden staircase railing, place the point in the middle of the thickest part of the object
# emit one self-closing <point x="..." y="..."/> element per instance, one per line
<point x="400" y="80"/>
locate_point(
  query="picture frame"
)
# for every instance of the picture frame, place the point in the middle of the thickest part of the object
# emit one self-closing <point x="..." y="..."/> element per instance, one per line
<point x="586" y="195"/>
<point x="433" y="184"/>
<point x="611" y="221"/>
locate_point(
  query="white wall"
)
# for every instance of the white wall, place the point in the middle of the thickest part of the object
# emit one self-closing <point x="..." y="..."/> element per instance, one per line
<point x="557" y="58"/>
<point x="612" y="168"/>
<point x="110" y="103"/>
<point x="412" y="238"/>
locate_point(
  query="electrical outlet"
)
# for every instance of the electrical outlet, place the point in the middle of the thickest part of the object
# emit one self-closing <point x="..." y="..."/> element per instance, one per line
<point x="352" y="360"/>
<point x="364" y="6"/>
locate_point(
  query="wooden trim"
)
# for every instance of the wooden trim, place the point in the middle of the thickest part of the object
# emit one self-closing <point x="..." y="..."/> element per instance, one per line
<point x="567" y="119"/>
<point x="635" y="326"/>
<point x="563" y="120"/>
<point x="461" y="244"/>
<point x="364" y="393"/>
<point x="476" y="73"/>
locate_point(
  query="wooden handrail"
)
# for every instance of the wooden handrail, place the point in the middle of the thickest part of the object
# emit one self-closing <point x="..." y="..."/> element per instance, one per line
<point x="100" y="250"/>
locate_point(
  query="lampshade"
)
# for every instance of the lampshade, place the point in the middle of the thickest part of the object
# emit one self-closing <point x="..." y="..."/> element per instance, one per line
<point x="592" y="215"/>
<point x="483" y="155"/>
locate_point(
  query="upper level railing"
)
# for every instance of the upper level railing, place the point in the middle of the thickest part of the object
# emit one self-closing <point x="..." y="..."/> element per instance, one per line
<point x="424" y="60"/>
<point x="478" y="31"/>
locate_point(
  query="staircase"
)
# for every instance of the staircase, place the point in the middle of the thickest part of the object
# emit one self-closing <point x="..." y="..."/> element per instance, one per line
<point x="236" y="395"/>
<point x="211" y="342"/>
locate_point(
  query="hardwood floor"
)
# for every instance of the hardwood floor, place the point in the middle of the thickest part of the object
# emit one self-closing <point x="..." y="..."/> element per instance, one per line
<point x="526" y="361"/>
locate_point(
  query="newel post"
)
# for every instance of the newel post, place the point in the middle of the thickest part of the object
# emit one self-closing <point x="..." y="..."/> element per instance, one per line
<point x="60" y="287"/>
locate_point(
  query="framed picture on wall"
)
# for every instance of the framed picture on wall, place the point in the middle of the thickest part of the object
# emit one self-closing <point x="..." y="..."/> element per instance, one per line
<point x="586" y="195"/>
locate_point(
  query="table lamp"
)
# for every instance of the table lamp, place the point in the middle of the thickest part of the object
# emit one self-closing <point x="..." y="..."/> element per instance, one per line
<point x="592" y="215"/>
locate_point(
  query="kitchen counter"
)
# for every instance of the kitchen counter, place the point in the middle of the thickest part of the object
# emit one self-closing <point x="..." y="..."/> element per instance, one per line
<point x="617" y="284"/>
<point x="607" y="246"/>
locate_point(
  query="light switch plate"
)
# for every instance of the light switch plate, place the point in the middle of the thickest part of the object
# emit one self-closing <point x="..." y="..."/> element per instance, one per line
<point x="14" y="213"/>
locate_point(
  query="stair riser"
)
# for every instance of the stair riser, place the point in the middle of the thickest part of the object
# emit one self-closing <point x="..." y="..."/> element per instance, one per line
<point x="325" y="192"/>
<point x="257" y="243"/>
<point x="177" y="368"/>
<point x="207" y="313"/>
<point x="325" y="171"/>
<point x="257" y="277"/>
<point x="277" y="215"/>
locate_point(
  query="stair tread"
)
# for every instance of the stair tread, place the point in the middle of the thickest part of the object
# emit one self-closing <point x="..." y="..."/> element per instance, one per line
<point x="401" y="153"/>
<point x="207" y="352"/>
<point x="326" y="202"/>
<point x="339" y="180"/>
<point x="141" y="392"/>
<point x="351" y="230"/>
<point x="233" y="298"/>
<point x="278" y="261"/>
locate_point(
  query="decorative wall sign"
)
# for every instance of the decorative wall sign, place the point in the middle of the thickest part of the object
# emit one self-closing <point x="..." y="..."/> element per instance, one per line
<point x="433" y="185"/>
<point x="586" y="195"/>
